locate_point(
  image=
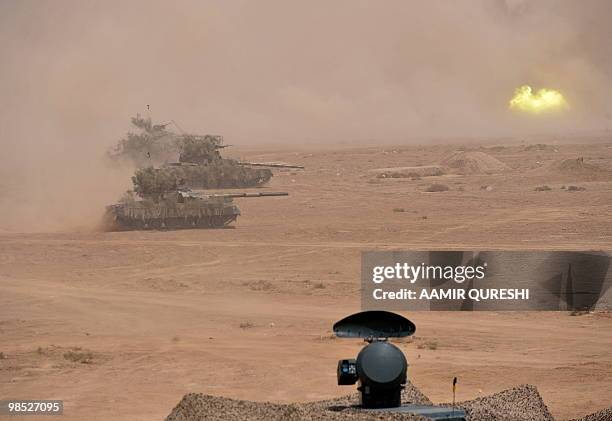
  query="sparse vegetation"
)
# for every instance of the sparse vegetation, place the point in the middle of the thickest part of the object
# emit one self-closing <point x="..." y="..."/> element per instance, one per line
<point x="259" y="285"/>
<point x="437" y="188"/>
<point x="542" y="188"/>
<point x="327" y="337"/>
<point x="319" y="285"/>
<point x="579" y="312"/>
<point x="537" y="147"/>
<point x="431" y="345"/>
<point x="2" y="356"/>
<point x="399" y="210"/>
<point x="246" y="325"/>
<point x="176" y="339"/>
<point x="577" y="166"/>
<point x="575" y="188"/>
<point x="412" y="173"/>
<point x="78" y="356"/>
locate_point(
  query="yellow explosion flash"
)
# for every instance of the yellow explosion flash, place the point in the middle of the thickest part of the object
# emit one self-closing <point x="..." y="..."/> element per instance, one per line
<point x="543" y="100"/>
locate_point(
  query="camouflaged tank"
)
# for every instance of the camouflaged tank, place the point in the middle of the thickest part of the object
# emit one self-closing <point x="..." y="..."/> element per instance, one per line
<point x="221" y="174"/>
<point x="179" y="209"/>
<point x="200" y="164"/>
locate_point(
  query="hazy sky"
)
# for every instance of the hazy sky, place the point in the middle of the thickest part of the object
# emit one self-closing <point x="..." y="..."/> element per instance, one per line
<point x="288" y="70"/>
<point x="73" y="72"/>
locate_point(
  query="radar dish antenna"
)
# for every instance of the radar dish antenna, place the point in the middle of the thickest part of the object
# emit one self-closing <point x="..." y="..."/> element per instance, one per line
<point x="374" y="324"/>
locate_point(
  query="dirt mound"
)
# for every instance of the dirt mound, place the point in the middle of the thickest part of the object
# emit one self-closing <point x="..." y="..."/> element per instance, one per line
<point x="603" y="415"/>
<point x="408" y="172"/>
<point x="522" y="403"/>
<point x="539" y="147"/>
<point x="576" y="166"/>
<point x="576" y="169"/>
<point x="474" y="162"/>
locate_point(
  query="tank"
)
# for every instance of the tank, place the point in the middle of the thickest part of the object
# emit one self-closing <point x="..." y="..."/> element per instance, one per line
<point x="200" y="164"/>
<point x="179" y="209"/>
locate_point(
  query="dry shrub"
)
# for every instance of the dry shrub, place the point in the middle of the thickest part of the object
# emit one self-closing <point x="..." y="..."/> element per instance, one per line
<point x="432" y="345"/>
<point x="77" y="356"/>
<point x="437" y="188"/>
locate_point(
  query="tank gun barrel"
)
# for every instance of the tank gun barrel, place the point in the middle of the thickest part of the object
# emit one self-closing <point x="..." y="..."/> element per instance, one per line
<point x="270" y="164"/>
<point x="161" y="126"/>
<point x="259" y="194"/>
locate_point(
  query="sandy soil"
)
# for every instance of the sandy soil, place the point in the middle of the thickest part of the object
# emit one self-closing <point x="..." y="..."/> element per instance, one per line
<point x="246" y="312"/>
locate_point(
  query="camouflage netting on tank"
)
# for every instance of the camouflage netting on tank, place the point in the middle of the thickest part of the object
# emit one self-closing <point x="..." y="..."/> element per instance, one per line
<point x="153" y="183"/>
<point x="516" y="404"/>
<point x="195" y="210"/>
<point x="200" y="164"/>
<point x="154" y="144"/>
<point x="200" y="149"/>
<point x="225" y="173"/>
<point x="151" y="144"/>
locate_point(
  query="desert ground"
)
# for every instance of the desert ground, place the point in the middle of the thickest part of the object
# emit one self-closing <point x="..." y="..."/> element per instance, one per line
<point x="120" y="325"/>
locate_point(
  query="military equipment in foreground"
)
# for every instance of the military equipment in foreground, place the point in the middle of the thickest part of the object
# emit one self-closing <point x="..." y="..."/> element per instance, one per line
<point x="200" y="164"/>
<point x="179" y="209"/>
<point x="380" y="369"/>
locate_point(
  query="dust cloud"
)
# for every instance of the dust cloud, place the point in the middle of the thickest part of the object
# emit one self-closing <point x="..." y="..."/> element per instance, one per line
<point x="267" y="72"/>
